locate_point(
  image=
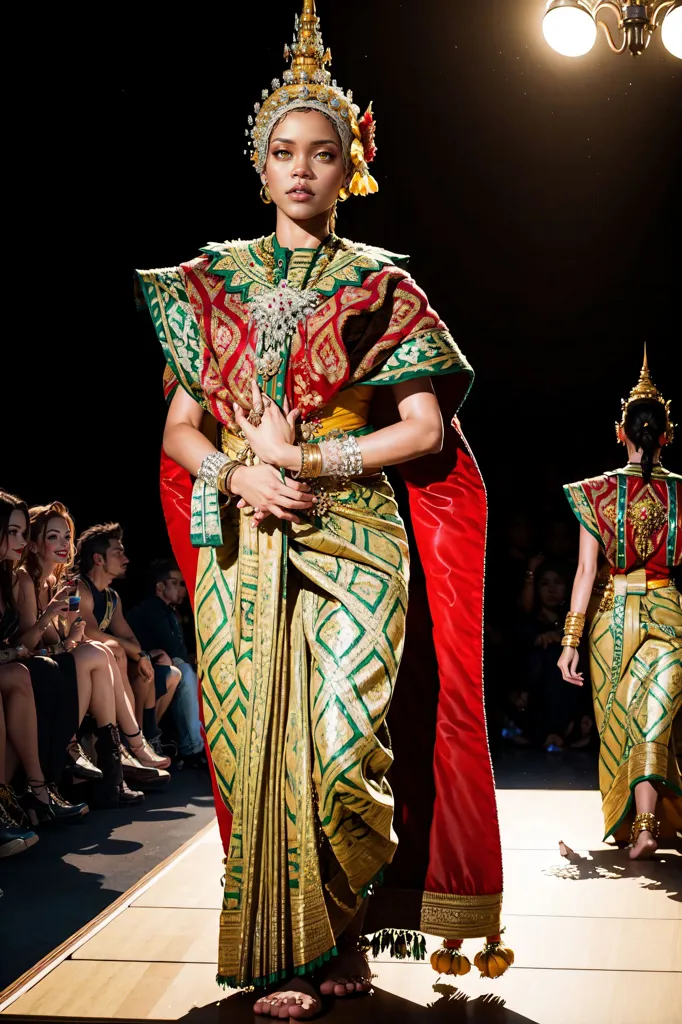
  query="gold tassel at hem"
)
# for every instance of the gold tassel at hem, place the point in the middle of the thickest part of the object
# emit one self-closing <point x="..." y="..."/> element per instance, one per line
<point x="494" y="959"/>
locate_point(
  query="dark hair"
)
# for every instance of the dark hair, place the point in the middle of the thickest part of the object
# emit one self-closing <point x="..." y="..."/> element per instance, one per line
<point x="160" y="570"/>
<point x="95" y="541"/>
<point x="645" y="423"/>
<point x="556" y="567"/>
<point x="9" y="503"/>
<point x="39" y="516"/>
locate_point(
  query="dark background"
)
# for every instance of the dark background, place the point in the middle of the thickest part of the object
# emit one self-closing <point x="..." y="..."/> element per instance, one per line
<point x="539" y="197"/>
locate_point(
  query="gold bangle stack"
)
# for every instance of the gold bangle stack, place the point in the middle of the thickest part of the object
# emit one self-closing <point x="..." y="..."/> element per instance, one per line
<point x="573" y="629"/>
<point x="646" y="822"/>
<point x="311" y="462"/>
<point x="224" y="477"/>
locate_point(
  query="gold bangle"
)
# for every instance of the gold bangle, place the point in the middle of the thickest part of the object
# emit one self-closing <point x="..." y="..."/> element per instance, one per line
<point x="570" y="641"/>
<point x="311" y="462"/>
<point x="577" y="617"/>
<point x="225" y="475"/>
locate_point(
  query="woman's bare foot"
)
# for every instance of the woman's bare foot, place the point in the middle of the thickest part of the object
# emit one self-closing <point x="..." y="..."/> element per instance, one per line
<point x="644" y="848"/>
<point x="296" y="999"/>
<point x="347" y="974"/>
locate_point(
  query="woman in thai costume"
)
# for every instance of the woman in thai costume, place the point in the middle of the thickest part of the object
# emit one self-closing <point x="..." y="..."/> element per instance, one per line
<point x="635" y="640"/>
<point x="278" y="351"/>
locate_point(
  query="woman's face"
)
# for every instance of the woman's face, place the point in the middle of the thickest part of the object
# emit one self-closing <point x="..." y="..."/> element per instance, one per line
<point x="552" y="589"/>
<point x="55" y="548"/>
<point x="13" y="543"/>
<point x="304" y="170"/>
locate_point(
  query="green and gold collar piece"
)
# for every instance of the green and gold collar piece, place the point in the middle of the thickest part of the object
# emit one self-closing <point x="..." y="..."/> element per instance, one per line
<point x="252" y="268"/>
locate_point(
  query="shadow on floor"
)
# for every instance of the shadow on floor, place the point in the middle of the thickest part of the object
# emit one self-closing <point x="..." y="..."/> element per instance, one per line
<point x="662" y="873"/>
<point x="449" y="1004"/>
<point x="77" y="871"/>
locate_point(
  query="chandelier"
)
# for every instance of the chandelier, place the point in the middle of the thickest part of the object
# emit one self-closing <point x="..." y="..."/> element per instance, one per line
<point x="570" y="26"/>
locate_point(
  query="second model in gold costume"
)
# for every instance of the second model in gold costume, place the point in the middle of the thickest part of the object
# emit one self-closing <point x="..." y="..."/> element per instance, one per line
<point x="635" y="638"/>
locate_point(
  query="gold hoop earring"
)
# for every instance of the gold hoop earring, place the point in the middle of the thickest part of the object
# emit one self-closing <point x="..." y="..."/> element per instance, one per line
<point x="265" y="195"/>
<point x="344" y="194"/>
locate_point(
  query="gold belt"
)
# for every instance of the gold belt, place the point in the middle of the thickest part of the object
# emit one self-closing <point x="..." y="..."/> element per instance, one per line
<point x="665" y="581"/>
<point x="630" y="583"/>
<point x="635" y="582"/>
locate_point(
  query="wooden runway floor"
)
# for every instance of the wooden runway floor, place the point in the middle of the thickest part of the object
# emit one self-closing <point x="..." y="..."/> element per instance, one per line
<point x="598" y="940"/>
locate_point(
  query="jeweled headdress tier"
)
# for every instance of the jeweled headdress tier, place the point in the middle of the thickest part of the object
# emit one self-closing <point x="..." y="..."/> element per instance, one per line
<point x="307" y="83"/>
<point x="646" y="390"/>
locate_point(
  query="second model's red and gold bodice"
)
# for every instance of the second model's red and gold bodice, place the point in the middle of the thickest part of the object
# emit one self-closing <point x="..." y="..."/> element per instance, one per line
<point x="636" y="523"/>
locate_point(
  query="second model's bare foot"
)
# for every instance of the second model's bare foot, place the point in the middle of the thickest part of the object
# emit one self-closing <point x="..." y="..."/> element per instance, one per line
<point x="348" y="974"/>
<point x="296" y="999"/>
<point x="644" y="848"/>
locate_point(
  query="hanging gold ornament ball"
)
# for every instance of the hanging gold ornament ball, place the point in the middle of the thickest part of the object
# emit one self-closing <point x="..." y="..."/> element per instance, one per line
<point x="494" y="960"/>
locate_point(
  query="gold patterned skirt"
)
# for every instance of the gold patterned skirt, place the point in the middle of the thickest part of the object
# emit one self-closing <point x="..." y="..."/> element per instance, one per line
<point x="636" y="669"/>
<point x="300" y="635"/>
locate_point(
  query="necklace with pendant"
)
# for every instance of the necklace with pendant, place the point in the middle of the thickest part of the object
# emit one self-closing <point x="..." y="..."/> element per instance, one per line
<point x="277" y="312"/>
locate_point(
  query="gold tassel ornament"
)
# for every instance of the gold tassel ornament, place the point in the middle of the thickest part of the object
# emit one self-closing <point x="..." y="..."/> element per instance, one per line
<point x="494" y="959"/>
<point x="450" y="961"/>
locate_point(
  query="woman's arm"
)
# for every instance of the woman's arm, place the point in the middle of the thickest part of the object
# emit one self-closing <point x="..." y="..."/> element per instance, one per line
<point x="183" y="440"/>
<point x="260" y="486"/>
<point x="580" y="597"/>
<point x="586" y="572"/>
<point x="37" y="631"/>
<point x="419" y="432"/>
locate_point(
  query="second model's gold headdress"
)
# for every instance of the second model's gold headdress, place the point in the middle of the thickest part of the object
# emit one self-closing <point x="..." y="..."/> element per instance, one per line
<point x="307" y="83"/>
<point x="646" y="390"/>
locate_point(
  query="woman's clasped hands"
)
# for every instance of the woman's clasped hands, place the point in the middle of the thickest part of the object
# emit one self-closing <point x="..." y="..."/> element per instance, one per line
<point x="271" y="433"/>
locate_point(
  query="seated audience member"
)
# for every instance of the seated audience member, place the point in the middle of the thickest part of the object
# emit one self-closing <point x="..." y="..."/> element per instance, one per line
<point x="157" y="627"/>
<point x="15" y="835"/>
<point x="41" y="585"/>
<point x="183" y="610"/>
<point x="557" y="717"/>
<point x="38" y="712"/>
<point x="101" y="559"/>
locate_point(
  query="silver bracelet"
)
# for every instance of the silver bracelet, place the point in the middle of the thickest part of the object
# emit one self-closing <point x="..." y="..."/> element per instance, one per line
<point x="210" y="468"/>
<point x="341" y="457"/>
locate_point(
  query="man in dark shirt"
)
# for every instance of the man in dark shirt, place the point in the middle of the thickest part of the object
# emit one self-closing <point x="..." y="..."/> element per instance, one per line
<point x="157" y="627"/>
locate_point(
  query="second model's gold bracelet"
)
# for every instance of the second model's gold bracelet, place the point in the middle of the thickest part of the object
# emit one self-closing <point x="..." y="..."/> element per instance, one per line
<point x="573" y="629"/>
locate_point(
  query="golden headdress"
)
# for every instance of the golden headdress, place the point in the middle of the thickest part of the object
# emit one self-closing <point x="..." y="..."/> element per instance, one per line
<point x="307" y="83"/>
<point x="646" y="390"/>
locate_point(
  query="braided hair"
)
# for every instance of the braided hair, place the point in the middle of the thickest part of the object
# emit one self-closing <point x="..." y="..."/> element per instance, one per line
<point x="645" y="422"/>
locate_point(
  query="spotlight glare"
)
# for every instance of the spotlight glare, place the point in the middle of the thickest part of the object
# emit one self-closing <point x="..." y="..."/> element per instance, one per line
<point x="671" y="32"/>
<point x="571" y="31"/>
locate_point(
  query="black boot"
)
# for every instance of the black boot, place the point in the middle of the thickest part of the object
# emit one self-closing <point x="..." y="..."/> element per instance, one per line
<point x="14" y="838"/>
<point x="56" y="809"/>
<point x="112" y="790"/>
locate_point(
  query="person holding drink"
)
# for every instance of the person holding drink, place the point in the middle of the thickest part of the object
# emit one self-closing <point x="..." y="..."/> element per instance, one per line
<point x="32" y="727"/>
<point x="50" y="622"/>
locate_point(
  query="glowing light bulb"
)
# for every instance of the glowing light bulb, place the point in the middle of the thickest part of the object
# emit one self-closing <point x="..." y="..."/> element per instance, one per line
<point x="570" y="31"/>
<point x="671" y="32"/>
